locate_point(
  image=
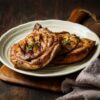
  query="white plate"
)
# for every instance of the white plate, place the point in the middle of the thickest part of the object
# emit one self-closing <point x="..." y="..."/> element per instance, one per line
<point x="17" y="33"/>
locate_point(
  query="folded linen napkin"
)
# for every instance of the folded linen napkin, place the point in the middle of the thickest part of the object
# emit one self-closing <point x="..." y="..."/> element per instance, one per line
<point x="86" y="85"/>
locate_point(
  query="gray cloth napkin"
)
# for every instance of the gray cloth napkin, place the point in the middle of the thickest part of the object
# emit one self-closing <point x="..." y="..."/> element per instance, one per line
<point x="86" y="85"/>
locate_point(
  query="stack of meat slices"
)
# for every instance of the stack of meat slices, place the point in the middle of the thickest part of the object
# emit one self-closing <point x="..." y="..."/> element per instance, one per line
<point x="42" y="46"/>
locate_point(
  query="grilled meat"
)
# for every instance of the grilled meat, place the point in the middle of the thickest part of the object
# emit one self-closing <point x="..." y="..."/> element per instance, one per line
<point x="43" y="47"/>
<point x="68" y="42"/>
<point x="77" y="54"/>
<point x="36" y="50"/>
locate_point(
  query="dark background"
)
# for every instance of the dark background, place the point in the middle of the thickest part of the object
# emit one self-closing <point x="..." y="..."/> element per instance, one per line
<point x="15" y="12"/>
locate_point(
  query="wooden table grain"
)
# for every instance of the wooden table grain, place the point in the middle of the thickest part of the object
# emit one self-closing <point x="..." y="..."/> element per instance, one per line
<point x="15" y="12"/>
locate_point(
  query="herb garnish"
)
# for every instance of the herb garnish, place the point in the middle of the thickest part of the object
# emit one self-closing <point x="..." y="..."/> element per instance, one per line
<point x="29" y="47"/>
<point x="65" y="42"/>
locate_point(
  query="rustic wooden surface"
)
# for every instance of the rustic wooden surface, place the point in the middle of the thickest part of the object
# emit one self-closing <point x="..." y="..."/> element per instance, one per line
<point x="15" y="12"/>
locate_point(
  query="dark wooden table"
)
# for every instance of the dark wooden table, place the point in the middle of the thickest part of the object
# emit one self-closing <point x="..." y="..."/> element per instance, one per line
<point x="15" y="12"/>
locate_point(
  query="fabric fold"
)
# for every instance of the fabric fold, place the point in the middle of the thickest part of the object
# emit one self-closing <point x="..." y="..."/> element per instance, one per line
<point x="86" y="85"/>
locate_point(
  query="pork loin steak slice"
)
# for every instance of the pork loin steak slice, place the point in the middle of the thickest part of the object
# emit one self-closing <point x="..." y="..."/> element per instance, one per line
<point x="36" y="50"/>
<point x="82" y="50"/>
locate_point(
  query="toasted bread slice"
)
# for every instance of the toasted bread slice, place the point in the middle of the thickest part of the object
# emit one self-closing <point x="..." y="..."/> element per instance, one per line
<point x="80" y="52"/>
